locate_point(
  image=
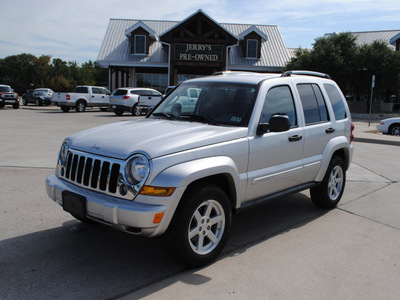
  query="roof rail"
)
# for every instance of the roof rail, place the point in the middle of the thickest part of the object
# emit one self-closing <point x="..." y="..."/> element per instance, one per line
<point x="228" y="72"/>
<point x="309" y="73"/>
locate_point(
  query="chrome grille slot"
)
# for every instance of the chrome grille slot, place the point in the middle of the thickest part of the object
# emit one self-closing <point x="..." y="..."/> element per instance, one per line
<point x="100" y="174"/>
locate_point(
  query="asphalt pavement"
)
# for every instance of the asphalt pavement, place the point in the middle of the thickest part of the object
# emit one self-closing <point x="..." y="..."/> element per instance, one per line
<point x="286" y="249"/>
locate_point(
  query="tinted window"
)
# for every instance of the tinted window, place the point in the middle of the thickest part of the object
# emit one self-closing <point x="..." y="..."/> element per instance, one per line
<point x="313" y="103"/>
<point x="96" y="91"/>
<point x="337" y="102"/>
<point x="120" y="92"/>
<point x="81" y="89"/>
<point x="279" y="101"/>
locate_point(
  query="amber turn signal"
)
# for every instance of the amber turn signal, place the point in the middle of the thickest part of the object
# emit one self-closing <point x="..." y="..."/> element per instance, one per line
<point x="157" y="191"/>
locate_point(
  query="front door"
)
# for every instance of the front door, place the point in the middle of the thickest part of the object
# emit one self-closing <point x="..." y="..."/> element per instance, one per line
<point x="275" y="161"/>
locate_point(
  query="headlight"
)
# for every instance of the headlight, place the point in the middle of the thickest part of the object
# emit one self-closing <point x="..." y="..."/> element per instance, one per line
<point x="137" y="169"/>
<point x="64" y="151"/>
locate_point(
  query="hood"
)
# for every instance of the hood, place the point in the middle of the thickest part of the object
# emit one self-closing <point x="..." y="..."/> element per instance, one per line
<point x="151" y="137"/>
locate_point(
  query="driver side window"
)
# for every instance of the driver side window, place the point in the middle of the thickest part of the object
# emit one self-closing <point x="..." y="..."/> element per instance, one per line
<point x="279" y="101"/>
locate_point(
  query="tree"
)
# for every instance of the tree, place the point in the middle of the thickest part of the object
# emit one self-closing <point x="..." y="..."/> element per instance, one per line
<point x="352" y="66"/>
<point x="335" y="56"/>
<point x="26" y="71"/>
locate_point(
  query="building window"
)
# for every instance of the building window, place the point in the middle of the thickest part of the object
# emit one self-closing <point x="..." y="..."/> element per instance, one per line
<point x="252" y="48"/>
<point x="158" y="82"/>
<point x="140" y="44"/>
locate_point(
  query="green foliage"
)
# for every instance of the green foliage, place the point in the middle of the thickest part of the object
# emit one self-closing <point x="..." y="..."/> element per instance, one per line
<point x="26" y="71"/>
<point x="352" y="66"/>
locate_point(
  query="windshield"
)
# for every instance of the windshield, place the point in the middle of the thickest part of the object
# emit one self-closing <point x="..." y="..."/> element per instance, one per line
<point x="40" y="93"/>
<point x="218" y="103"/>
<point x="5" y="89"/>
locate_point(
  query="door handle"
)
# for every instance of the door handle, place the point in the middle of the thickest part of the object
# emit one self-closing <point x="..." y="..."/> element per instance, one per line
<point x="330" y="130"/>
<point x="295" y="138"/>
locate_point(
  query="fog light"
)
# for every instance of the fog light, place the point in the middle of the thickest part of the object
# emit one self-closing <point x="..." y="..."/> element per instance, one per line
<point x="123" y="189"/>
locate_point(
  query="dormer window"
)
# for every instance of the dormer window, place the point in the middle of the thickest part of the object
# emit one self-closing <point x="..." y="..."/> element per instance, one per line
<point x="140" y="44"/>
<point x="252" y="48"/>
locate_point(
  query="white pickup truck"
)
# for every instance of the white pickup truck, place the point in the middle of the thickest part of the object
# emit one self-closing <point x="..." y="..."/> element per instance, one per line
<point x="82" y="97"/>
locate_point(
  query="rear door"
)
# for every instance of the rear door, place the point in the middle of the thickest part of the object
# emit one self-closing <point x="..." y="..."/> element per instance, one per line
<point x="99" y="96"/>
<point x="318" y="130"/>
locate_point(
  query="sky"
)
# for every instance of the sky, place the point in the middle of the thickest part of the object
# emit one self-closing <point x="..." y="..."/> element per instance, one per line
<point x="73" y="30"/>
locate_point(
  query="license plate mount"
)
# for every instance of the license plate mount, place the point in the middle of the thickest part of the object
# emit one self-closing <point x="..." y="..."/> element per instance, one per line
<point x="74" y="204"/>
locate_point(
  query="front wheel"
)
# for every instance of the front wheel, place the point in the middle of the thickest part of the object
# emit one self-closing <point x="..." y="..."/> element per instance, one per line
<point x="200" y="227"/>
<point x="394" y="129"/>
<point x="329" y="192"/>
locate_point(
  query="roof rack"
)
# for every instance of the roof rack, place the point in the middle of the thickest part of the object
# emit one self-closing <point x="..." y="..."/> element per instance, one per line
<point x="228" y="72"/>
<point x="309" y="73"/>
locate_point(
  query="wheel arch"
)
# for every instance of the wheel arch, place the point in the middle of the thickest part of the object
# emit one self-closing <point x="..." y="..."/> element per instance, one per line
<point x="339" y="147"/>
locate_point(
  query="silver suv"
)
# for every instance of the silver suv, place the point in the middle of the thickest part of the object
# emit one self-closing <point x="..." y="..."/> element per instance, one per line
<point x="212" y="147"/>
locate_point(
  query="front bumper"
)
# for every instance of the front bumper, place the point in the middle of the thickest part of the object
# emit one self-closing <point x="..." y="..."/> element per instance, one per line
<point x="129" y="216"/>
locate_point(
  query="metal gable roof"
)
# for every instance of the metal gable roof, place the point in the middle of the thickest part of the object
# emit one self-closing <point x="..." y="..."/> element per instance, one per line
<point x="368" y="37"/>
<point x="115" y="49"/>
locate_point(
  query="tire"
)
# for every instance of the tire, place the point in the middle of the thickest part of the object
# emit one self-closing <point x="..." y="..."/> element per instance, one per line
<point x="119" y="112"/>
<point x="103" y="108"/>
<point x="65" y="108"/>
<point x="200" y="227"/>
<point x="37" y="102"/>
<point x="136" y="111"/>
<point x="80" y="106"/>
<point x="16" y="105"/>
<point x="394" y="129"/>
<point x="329" y="192"/>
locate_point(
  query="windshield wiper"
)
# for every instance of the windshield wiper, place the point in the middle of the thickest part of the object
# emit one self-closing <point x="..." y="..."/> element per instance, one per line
<point x="166" y="115"/>
<point x="200" y="118"/>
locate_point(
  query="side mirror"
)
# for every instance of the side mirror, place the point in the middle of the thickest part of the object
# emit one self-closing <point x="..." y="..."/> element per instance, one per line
<point x="277" y="123"/>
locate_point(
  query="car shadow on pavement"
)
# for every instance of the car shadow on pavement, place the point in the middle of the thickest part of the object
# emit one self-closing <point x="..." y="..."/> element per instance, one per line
<point x="93" y="261"/>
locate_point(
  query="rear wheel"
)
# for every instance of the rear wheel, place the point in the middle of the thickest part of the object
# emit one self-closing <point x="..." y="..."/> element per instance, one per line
<point x="65" y="108"/>
<point x="394" y="129"/>
<point x="136" y="111"/>
<point x="80" y="106"/>
<point x="119" y="112"/>
<point x="201" y="224"/>
<point x="329" y="192"/>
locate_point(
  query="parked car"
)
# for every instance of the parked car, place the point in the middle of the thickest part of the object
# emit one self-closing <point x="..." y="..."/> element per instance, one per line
<point x="389" y="126"/>
<point x="49" y="92"/>
<point x="8" y="97"/>
<point x="37" y="97"/>
<point x="134" y="100"/>
<point x="82" y="97"/>
<point x="194" y="162"/>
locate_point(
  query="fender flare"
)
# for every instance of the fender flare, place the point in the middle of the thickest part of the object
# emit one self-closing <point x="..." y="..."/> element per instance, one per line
<point x="334" y="145"/>
<point x="183" y="174"/>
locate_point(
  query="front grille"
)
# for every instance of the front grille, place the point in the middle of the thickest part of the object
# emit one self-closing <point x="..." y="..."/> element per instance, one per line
<point x="95" y="173"/>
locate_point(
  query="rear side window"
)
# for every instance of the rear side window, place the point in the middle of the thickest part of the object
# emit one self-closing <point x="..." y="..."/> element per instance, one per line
<point x="279" y="101"/>
<point x="313" y="102"/>
<point x="337" y="102"/>
<point x="81" y="89"/>
<point x="120" y="92"/>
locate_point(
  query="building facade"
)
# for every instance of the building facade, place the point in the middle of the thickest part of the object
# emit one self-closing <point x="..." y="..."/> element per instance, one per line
<point x="157" y="54"/>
